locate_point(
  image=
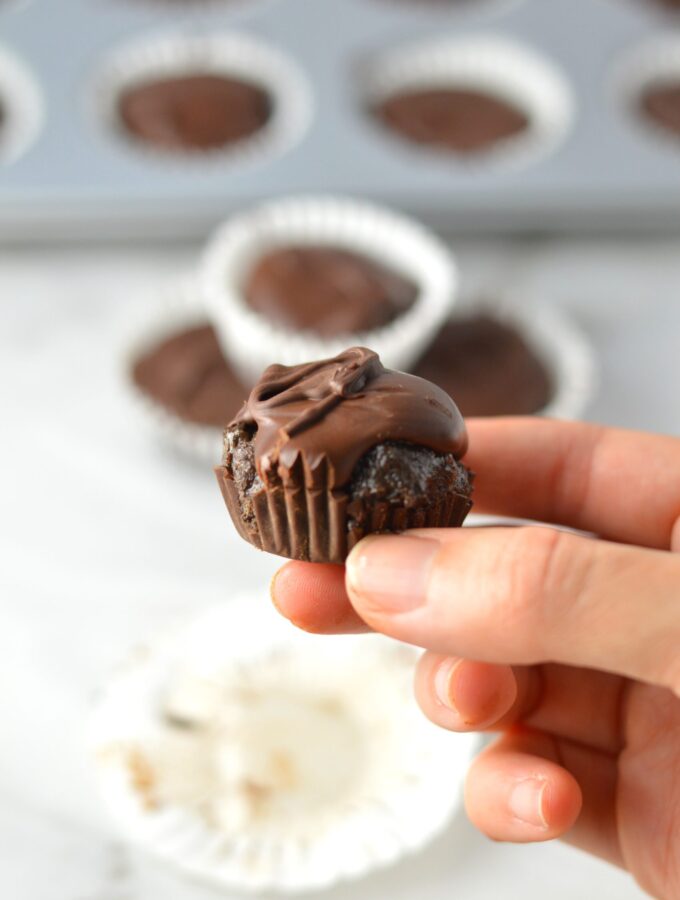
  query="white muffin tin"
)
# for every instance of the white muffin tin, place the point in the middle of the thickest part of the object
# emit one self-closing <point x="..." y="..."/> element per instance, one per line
<point x="74" y="177"/>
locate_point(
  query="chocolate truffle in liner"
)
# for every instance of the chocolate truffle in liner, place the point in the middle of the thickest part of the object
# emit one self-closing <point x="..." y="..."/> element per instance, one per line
<point x="488" y="365"/>
<point x="186" y="374"/>
<point x="327" y="290"/>
<point x="457" y="120"/>
<point x="324" y="453"/>
<point x="660" y="103"/>
<point x="200" y="111"/>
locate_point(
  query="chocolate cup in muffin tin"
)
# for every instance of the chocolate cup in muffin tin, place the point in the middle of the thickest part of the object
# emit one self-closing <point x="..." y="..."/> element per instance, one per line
<point x="385" y="239"/>
<point x="21" y="107"/>
<point x="476" y="100"/>
<point x="326" y="290"/>
<point x="194" y="112"/>
<point x="648" y="84"/>
<point x="182" y="388"/>
<point x="224" y="96"/>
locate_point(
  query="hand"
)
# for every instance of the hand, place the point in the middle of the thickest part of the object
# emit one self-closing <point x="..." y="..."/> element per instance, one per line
<point x="569" y="646"/>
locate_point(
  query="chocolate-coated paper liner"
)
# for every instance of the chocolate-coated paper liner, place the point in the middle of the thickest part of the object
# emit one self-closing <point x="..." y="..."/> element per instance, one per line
<point x="316" y="524"/>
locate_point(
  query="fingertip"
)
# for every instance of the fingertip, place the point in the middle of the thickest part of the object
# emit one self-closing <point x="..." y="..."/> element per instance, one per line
<point x="562" y="801"/>
<point x="312" y="597"/>
<point x="521" y="798"/>
<point x="482" y="693"/>
<point x="464" y="695"/>
<point x="283" y="586"/>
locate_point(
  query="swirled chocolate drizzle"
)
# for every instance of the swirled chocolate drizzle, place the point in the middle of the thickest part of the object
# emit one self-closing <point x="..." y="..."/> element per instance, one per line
<point x="329" y="413"/>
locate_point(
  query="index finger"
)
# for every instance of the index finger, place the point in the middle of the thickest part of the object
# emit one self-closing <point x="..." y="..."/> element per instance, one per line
<point x="623" y="485"/>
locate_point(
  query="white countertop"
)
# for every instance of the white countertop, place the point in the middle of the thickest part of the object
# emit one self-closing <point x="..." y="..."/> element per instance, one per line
<point x="104" y="537"/>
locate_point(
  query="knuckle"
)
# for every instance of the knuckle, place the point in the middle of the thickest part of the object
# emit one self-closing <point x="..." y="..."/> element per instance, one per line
<point x="535" y="569"/>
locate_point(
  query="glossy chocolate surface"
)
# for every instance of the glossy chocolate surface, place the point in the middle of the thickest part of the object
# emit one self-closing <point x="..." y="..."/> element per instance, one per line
<point x="193" y="112"/>
<point x="329" y="291"/>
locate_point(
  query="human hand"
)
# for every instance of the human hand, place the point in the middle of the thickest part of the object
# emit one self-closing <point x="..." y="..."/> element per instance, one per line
<point x="567" y="645"/>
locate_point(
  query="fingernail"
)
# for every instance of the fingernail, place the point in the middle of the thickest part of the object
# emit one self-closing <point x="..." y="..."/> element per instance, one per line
<point x="272" y="590"/>
<point x="444" y="683"/>
<point x="391" y="572"/>
<point x="527" y="800"/>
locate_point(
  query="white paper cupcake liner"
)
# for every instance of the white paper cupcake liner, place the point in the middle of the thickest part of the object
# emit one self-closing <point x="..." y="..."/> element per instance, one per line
<point x="502" y="67"/>
<point x="253" y="342"/>
<point x="179" y="307"/>
<point x="655" y="63"/>
<point x="22" y="105"/>
<point x="561" y="347"/>
<point x="256" y="757"/>
<point x="231" y="54"/>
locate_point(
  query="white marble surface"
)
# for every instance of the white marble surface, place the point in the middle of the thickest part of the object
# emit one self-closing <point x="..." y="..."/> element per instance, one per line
<point x="103" y="537"/>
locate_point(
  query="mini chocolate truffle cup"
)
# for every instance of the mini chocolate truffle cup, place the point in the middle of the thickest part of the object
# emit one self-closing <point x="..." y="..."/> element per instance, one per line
<point x="655" y="64"/>
<point x="253" y="342"/>
<point x="229" y="54"/>
<point x="21" y="107"/>
<point x="501" y="68"/>
<point x="557" y="342"/>
<point x="306" y="519"/>
<point x="178" y="306"/>
<point x="325" y="453"/>
<point x="566" y="353"/>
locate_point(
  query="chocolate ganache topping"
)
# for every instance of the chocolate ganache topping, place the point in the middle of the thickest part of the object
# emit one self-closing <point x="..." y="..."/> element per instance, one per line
<point x="331" y="412"/>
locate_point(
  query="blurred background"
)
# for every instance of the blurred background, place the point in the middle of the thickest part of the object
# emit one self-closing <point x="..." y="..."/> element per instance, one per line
<point x="530" y="149"/>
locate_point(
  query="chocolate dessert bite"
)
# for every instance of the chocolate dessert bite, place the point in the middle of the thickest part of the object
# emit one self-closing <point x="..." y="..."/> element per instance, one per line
<point x="324" y="453"/>
<point x="458" y="120"/>
<point x="488" y="366"/>
<point x="660" y="103"/>
<point x="193" y="111"/>
<point x="326" y="290"/>
<point x="187" y="374"/>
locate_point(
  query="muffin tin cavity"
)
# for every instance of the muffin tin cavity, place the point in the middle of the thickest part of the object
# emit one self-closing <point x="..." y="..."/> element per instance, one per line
<point x="475" y="98"/>
<point x="21" y="107"/>
<point x="649" y="82"/>
<point x="221" y="95"/>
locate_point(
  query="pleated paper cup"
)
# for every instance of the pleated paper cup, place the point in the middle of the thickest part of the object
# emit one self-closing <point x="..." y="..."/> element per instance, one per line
<point x="254" y="342"/>
<point x="313" y="521"/>
<point x="22" y="107"/>
<point x="497" y="66"/>
<point x="229" y="54"/>
<point x="259" y="758"/>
